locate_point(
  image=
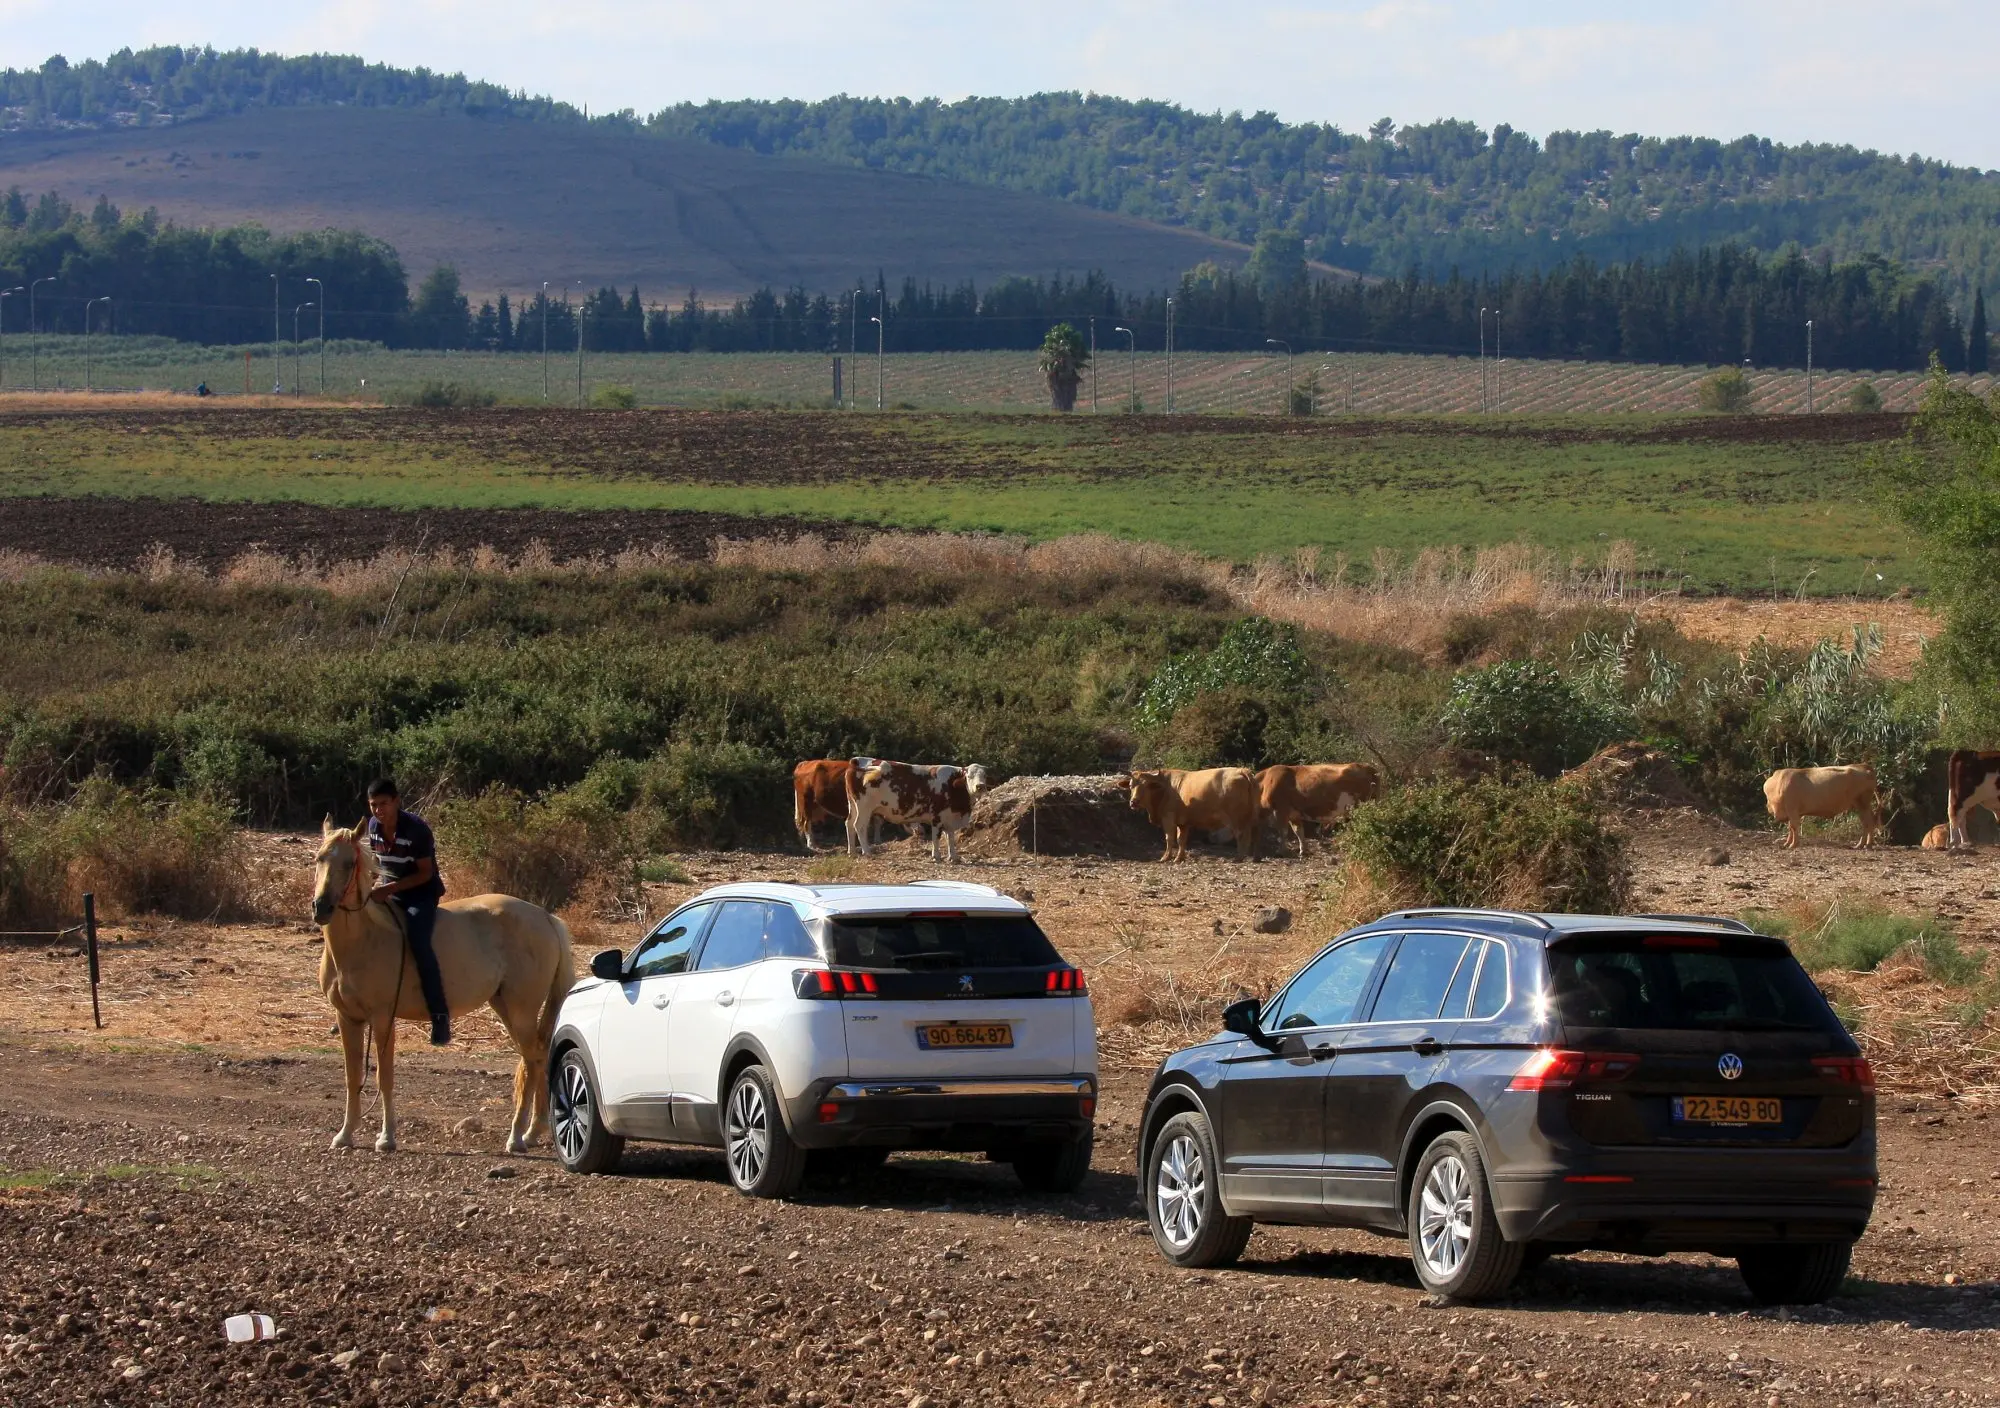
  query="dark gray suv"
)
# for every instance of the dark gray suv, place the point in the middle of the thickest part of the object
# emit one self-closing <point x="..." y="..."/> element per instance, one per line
<point x="1499" y="1087"/>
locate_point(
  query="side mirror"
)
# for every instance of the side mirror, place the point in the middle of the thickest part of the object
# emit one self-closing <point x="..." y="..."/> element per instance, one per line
<point x="1241" y="1017"/>
<point x="608" y="965"/>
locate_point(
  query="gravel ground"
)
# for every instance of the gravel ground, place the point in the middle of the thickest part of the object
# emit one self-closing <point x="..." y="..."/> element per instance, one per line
<point x="173" y="1170"/>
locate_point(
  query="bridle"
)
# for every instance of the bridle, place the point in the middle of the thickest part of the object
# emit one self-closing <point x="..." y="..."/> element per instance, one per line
<point x="353" y="884"/>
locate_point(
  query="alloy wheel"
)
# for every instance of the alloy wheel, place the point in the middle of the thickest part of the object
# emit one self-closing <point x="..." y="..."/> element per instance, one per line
<point x="1180" y="1189"/>
<point x="1444" y="1221"/>
<point x="573" y="1114"/>
<point x="747" y="1133"/>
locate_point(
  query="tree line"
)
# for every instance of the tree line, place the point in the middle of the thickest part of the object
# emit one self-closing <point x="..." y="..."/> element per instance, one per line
<point x="1431" y="196"/>
<point x="1708" y="306"/>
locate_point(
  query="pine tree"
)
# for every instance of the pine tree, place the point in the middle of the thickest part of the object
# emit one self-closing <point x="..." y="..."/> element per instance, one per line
<point x="1978" y="356"/>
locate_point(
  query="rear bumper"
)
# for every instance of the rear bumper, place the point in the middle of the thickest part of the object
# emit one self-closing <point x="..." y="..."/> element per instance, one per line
<point x="1660" y="1200"/>
<point x="987" y="1114"/>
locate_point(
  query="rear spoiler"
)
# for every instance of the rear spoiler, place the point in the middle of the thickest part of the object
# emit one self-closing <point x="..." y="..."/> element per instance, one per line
<point x="1713" y="920"/>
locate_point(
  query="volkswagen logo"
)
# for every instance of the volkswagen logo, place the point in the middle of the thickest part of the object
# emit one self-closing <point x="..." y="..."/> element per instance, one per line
<point x="965" y="985"/>
<point x="1731" y="1065"/>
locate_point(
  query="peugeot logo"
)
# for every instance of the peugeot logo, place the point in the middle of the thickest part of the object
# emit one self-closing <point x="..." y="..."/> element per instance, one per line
<point x="965" y="984"/>
<point x="1731" y="1065"/>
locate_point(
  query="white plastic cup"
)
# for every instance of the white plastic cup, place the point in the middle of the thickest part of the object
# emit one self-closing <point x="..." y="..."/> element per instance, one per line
<point x="242" y="1329"/>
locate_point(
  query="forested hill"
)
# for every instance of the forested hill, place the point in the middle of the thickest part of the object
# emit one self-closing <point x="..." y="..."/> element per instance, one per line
<point x="1448" y="193"/>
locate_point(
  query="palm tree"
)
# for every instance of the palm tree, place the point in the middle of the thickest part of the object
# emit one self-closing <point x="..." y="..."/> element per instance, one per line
<point x="1062" y="360"/>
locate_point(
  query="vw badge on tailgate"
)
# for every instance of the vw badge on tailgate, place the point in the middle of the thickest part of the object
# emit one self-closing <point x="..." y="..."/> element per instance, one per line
<point x="1730" y="1064"/>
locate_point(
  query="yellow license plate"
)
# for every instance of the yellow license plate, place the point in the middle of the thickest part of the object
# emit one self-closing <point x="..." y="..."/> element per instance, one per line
<point x="1728" y="1109"/>
<point x="955" y="1036"/>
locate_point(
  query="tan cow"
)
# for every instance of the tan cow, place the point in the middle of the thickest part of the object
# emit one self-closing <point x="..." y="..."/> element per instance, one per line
<point x="1793" y="794"/>
<point x="1314" y="792"/>
<point x="1178" y="801"/>
<point x="1938" y="838"/>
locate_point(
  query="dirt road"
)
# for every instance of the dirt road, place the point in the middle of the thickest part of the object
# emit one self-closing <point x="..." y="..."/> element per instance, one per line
<point x="175" y="1171"/>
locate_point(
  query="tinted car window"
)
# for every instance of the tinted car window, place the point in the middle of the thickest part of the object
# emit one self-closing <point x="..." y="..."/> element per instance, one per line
<point x="1489" y="999"/>
<point x="919" y="941"/>
<point x="665" y="950"/>
<point x="1328" y="991"/>
<point x="1687" y="982"/>
<point x="737" y="936"/>
<point x="1419" y="976"/>
<point x="1458" y="1000"/>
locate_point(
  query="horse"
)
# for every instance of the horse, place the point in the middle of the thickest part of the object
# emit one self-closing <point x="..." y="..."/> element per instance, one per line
<point x="491" y="949"/>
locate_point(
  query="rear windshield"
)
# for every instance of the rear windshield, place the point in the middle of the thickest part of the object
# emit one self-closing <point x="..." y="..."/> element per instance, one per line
<point x="940" y="941"/>
<point x="1684" y="982"/>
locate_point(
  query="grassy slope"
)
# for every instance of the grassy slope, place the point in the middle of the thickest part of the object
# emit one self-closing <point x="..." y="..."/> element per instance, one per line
<point x="1741" y="515"/>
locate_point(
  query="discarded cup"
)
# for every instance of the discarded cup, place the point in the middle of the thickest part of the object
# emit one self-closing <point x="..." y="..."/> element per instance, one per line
<point x="242" y="1329"/>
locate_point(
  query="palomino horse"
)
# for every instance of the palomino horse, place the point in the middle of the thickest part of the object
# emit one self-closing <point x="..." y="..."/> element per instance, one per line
<point x="490" y="948"/>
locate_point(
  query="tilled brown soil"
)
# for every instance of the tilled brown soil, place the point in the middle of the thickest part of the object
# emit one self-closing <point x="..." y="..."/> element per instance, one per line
<point x="116" y="534"/>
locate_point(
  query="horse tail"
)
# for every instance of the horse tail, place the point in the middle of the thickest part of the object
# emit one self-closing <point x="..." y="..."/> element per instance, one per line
<point x="560" y="983"/>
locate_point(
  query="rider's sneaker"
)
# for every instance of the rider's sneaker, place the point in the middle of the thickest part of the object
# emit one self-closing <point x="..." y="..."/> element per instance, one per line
<point x="440" y="1031"/>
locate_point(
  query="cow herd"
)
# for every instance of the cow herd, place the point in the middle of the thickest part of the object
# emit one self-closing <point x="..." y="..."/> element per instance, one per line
<point x="936" y="800"/>
<point x="1793" y="794"/>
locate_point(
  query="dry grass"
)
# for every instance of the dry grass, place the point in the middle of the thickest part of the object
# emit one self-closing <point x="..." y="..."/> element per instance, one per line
<point x="31" y="401"/>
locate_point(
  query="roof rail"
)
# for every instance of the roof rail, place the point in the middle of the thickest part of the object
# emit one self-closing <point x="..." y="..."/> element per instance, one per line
<point x="963" y="886"/>
<point x="1481" y="913"/>
<point x="1718" y="920"/>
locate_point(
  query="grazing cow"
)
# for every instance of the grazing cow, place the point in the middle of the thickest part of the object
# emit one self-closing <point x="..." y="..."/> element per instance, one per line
<point x="1178" y="801"/>
<point x="1938" y="838"/>
<point x="820" y="791"/>
<point x="1314" y="792"/>
<point x="1973" y="781"/>
<point x="1793" y="794"/>
<point x="914" y="794"/>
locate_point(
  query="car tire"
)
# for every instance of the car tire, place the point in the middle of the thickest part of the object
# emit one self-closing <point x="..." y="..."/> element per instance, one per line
<point x="1455" y="1239"/>
<point x="762" y="1159"/>
<point x="583" y="1144"/>
<point x="1181" y="1187"/>
<point x="1059" y="1166"/>
<point x="1803" y="1275"/>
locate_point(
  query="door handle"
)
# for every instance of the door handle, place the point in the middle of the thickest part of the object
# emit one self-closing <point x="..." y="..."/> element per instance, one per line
<point x="724" y="999"/>
<point x="1427" y="1046"/>
<point x="1325" y="1051"/>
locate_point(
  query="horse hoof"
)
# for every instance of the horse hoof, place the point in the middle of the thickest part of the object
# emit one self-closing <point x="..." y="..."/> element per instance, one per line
<point x="517" y="1145"/>
<point x="342" y="1140"/>
<point x="385" y="1145"/>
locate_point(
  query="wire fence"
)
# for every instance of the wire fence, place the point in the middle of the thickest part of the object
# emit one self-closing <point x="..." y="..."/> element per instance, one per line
<point x="88" y="929"/>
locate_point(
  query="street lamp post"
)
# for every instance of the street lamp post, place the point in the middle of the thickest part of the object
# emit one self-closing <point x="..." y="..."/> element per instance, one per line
<point x="34" y="339"/>
<point x="5" y="294"/>
<point x="1093" y="366"/>
<point x="1170" y="356"/>
<point x="878" y="359"/>
<point x="582" y="309"/>
<point x="277" y="341"/>
<point x="1280" y="342"/>
<point x="1809" y="369"/>
<point x="1132" y="387"/>
<point x="1495" y="399"/>
<point x="1482" y="360"/>
<point x="322" y="333"/>
<point x="545" y="339"/>
<point x="298" y="374"/>
<point x="90" y="304"/>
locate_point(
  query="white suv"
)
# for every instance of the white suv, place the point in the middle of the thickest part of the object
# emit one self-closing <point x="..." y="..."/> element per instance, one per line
<point x="833" y="1022"/>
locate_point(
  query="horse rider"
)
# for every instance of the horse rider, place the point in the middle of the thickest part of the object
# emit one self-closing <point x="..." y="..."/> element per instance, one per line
<point x="406" y="852"/>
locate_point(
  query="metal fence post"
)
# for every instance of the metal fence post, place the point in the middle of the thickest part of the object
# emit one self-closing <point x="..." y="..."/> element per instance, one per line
<point x="90" y="954"/>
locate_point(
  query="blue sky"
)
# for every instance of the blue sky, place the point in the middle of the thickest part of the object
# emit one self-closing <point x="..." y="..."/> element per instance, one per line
<point x="1913" y="76"/>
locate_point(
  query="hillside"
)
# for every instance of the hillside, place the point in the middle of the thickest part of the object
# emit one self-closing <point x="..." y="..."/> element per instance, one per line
<point x="514" y="201"/>
<point x="1433" y="195"/>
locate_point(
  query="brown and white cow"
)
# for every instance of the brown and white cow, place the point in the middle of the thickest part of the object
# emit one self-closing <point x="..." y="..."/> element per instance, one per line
<point x="915" y="794"/>
<point x="821" y="788"/>
<point x="1294" y="795"/>
<point x="1793" y="794"/>
<point x="1973" y="780"/>
<point x="1179" y="801"/>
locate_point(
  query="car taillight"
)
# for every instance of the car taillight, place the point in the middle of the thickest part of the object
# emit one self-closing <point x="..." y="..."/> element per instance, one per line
<point x="1552" y="1069"/>
<point x="1066" y="980"/>
<point x="833" y="982"/>
<point x="1087" y="1102"/>
<point x="1848" y="1070"/>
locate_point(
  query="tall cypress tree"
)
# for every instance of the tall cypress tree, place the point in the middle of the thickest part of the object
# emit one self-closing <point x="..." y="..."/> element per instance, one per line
<point x="1977" y="357"/>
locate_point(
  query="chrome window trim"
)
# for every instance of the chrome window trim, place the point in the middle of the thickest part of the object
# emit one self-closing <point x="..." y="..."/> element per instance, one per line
<point x="1405" y="933"/>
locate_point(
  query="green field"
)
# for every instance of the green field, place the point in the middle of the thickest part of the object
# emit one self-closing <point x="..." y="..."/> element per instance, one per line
<point x="1738" y="504"/>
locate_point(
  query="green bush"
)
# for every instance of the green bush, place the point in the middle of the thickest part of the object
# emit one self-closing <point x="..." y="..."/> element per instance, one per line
<point x="1254" y="653"/>
<point x="1863" y="398"/>
<point x="1535" y="846"/>
<point x="1222" y="728"/>
<point x="541" y="851"/>
<point x="139" y="852"/>
<point x="1528" y="712"/>
<point x="695" y="795"/>
<point x="1728" y="392"/>
<point x="615" y="398"/>
<point x="1855" y="938"/>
